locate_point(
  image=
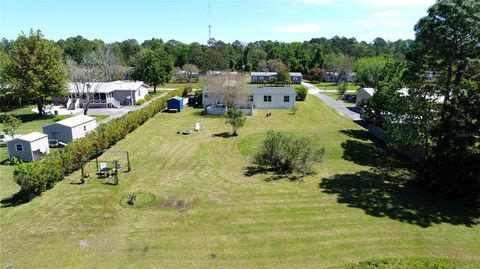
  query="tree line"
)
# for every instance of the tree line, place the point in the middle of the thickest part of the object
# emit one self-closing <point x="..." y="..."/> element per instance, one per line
<point x="429" y="104"/>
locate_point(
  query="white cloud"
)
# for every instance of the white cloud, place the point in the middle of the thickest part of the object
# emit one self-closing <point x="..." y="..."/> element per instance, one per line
<point x="388" y="14"/>
<point x="301" y="28"/>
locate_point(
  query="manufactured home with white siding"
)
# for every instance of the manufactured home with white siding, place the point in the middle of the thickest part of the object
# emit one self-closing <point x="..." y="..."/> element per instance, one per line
<point x="258" y="97"/>
<point x="108" y="94"/>
<point x="66" y="130"/>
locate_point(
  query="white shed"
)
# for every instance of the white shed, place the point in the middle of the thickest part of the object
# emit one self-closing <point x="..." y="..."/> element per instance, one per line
<point x="364" y="93"/>
<point x="28" y="148"/>
<point x="69" y="129"/>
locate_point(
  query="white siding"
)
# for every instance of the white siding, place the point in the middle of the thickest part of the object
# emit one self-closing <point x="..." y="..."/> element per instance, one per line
<point x="81" y="130"/>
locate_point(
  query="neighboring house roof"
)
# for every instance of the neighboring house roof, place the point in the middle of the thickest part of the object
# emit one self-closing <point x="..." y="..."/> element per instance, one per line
<point x="264" y="74"/>
<point x="107" y="87"/>
<point x="404" y="92"/>
<point x="370" y="91"/>
<point x="74" y="121"/>
<point x="31" y="137"/>
<point x="272" y="90"/>
<point x="295" y="74"/>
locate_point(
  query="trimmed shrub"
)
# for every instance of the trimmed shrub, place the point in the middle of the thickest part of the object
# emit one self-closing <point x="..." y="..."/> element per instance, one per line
<point x="148" y="97"/>
<point x="302" y="92"/>
<point x="287" y="153"/>
<point x="186" y="90"/>
<point x="37" y="177"/>
<point x="140" y="102"/>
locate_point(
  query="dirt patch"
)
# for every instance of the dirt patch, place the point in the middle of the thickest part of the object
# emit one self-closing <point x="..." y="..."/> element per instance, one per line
<point x="175" y="202"/>
<point x="84" y="244"/>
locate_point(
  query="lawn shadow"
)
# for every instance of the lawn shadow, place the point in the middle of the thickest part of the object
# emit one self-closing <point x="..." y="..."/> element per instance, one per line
<point x="273" y="174"/>
<point x="391" y="193"/>
<point x="14" y="200"/>
<point x="224" y="135"/>
<point x="358" y="134"/>
<point x="370" y="154"/>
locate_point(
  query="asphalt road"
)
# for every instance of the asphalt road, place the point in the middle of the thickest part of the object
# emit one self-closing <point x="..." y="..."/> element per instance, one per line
<point x="338" y="106"/>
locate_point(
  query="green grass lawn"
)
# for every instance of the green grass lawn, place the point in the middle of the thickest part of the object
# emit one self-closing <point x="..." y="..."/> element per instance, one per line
<point x="157" y="93"/>
<point x="336" y="96"/>
<point x="203" y="205"/>
<point x="195" y="85"/>
<point x="332" y="86"/>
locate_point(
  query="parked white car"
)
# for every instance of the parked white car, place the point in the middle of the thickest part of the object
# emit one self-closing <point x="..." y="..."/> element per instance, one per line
<point x="4" y="137"/>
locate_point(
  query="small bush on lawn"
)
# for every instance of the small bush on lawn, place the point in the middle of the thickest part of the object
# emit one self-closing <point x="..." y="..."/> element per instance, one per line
<point x="287" y="153"/>
<point x="140" y="102"/>
<point x="342" y="88"/>
<point x="198" y="97"/>
<point x="37" y="177"/>
<point x="301" y="92"/>
<point x="186" y="90"/>
<point x="236" y="119"/>
<point x="148" y="97"/>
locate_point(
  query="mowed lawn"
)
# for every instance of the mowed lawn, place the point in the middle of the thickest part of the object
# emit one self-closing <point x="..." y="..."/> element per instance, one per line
<point x="202" y="205"/>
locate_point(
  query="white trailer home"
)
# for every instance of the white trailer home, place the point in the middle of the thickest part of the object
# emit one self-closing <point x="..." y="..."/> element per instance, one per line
<point x="258" y="97"/>
<point x="66" y="130"/>
<point x="107" y="94"/>
<point x="28" y="148"/>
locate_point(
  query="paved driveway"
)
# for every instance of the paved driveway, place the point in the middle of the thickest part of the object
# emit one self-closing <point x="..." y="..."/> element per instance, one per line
<point x="117" y="112"/>
<point x="338" y="106"/>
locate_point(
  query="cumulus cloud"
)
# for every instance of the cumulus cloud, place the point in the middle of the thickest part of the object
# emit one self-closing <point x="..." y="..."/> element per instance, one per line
<point x="301" y="28"/>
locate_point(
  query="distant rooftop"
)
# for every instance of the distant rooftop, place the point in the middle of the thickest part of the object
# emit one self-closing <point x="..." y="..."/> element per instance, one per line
<point x="272" y="90"/>
<point x="106" y="87"/>
<point x="75" y="121"/>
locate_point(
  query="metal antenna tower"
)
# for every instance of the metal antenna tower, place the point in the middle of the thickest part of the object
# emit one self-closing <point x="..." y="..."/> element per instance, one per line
<point x="209" y="22"/>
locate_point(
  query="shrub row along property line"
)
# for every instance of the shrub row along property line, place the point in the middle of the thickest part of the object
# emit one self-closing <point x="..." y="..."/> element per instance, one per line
<point x="36" y="177"/>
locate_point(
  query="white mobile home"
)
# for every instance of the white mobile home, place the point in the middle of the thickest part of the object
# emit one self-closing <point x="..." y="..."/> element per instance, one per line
<point x="107" y="94"/>
<point x="28" y="148"/>
<point x="69" y="129"/>
<point x="257" y="98"/>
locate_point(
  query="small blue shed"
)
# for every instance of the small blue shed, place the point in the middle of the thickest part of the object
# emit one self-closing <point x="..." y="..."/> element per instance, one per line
<point x="175" y="103"/>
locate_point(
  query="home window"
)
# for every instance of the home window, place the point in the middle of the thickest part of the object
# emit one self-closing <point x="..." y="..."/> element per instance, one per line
<point x="286" y="99"/>
<point x="85" y="128"/>
<point x="261" y="78"/>
<point x="250" y="98"/>
<point x="19" y="147"/>
<point x="267" y="98"/>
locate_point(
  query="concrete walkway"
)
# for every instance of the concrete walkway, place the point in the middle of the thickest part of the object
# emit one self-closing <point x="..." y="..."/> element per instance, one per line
<point x="338" y="106"/>
<point x="114" y="113"/>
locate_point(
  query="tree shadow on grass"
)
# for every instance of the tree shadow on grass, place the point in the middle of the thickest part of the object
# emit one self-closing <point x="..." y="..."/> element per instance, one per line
<point x="271" y="173"/>
<point x="358" y="134"/>
<point x="390" y="193"/>
<point x="224" y="135"/>
<point x="370" y="154"/>
<point x="14" y="200"/>
<point x="389" y="190"/>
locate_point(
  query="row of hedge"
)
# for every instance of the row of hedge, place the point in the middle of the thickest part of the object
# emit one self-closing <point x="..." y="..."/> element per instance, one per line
<point x="37" y="177"/>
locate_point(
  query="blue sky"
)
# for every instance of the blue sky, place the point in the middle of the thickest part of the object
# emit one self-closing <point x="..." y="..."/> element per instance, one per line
<point x="187" y="21"/>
